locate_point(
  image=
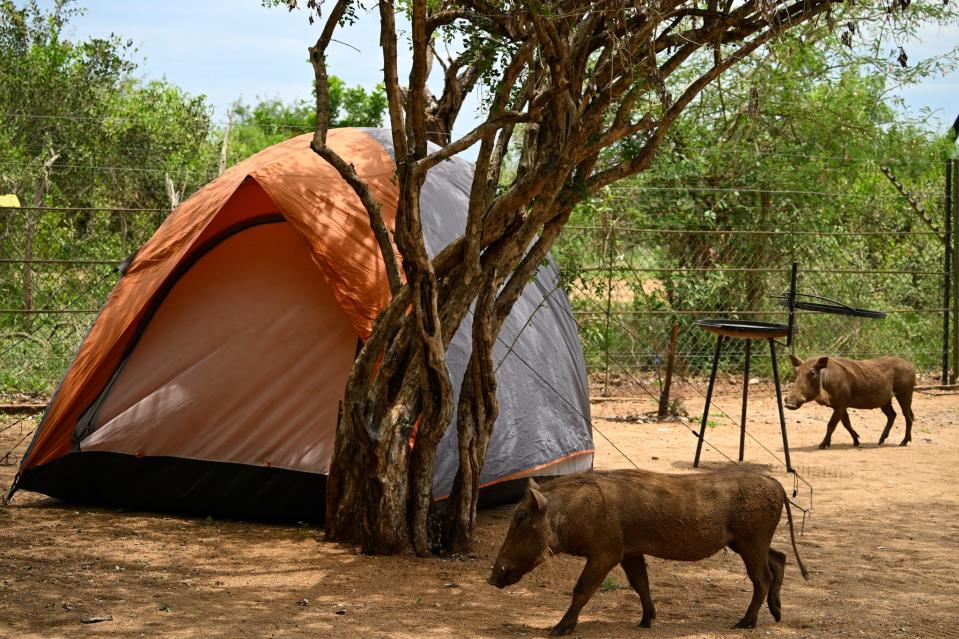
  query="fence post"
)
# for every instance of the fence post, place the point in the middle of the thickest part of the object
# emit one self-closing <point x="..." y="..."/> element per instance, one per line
<point x="947" y="269"/>
<point x="609" y="298"/>
<point x="955" y="273"/>
<point x="670" y="362"/>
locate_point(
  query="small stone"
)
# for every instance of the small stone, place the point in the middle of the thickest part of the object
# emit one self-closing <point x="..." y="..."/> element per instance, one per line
<point x="303" y="602"/>
<point x="97" y="619"/>
<point x="451" y="585"/>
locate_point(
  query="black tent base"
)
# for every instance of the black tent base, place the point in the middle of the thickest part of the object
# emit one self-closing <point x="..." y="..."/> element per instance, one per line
<point x="200" y="488"/>
<point x="186" y="486"/>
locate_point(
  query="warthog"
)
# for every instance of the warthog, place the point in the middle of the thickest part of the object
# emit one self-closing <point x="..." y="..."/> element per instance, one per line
<point x="618" y="517"/>
<point x="842" y="383"/>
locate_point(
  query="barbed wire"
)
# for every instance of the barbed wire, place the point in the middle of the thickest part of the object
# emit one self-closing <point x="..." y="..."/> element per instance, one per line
<point x="217" y="126"/>
<point x="724" y="189"/>
<point x="758" y="232"/>
<point x="82" y="209"/>
<point x="628" y="189"/>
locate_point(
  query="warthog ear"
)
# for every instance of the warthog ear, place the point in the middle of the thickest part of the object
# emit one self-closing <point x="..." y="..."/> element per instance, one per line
<point x="796" y="362"/>
<point x="821" y="363"/>
<point x="539" y="499"/>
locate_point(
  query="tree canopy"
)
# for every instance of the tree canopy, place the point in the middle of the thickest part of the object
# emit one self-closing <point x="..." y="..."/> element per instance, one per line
<point x="270" y="121"/>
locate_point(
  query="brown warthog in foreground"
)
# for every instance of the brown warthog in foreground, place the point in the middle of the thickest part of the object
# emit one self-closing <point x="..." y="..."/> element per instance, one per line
<point x="618" y="517"/>
<point x="842" y="383"/>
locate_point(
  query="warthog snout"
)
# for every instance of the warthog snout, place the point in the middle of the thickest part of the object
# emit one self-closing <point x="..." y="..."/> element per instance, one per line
<point x="526" y="544"/>
<point x="807" y="383"/>
<point x="501" y="576"/>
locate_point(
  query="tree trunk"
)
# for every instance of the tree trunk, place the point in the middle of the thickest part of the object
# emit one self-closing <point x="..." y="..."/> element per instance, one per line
<point x="476" y="413"/>
<point x="224" y="147"/>
<point x="33" y="215"/>
<point x="366" y="489"/>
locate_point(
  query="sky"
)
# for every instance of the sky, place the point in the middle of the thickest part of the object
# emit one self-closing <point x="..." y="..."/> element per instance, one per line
<point x="237" y="49"/>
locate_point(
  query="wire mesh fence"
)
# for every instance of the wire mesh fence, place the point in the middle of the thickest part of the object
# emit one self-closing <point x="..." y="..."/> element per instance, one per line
<point x="632" y="276"/>
<point x="57" y="267"/>
<point x="631" y="272"/>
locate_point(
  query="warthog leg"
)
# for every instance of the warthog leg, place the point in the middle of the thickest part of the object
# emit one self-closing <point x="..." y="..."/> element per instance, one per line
<point x="848" y="425"/>
<point x="890" y="418"/>
<point x="593" y="574"/>
<point x="756" y="558"/>
<point x="777" y="564"/>
<point x="831" y="426"/>
<point x="635" y="568"/>
<point x="905" y="403"/>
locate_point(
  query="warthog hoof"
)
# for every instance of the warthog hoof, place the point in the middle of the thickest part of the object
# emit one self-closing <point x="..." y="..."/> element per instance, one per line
<point x="904" y="442"/>
<point x="824" y="446"/>
<point x="647" y="622"/>
<point x="776" y="612"/>
<point x="562" y="629"/>
<point x="855" y="443"/>
<point x="745" y="623"/>
<point x="881" y="440"/>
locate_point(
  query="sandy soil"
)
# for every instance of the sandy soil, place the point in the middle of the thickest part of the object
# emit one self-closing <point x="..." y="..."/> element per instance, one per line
<point x="881" y="544"/>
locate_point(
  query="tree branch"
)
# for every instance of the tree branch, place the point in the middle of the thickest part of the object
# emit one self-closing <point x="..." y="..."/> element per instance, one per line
<point x="471" y="138"/>
<point x="318" y="60"/>
<point x="380" y="232"/>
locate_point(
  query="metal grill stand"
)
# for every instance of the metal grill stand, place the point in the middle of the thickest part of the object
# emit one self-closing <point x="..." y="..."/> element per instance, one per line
<point x="749" y="331"/>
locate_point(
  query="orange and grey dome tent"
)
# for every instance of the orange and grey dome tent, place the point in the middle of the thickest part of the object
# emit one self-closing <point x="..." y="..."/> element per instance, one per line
<point x="210" y="380"/>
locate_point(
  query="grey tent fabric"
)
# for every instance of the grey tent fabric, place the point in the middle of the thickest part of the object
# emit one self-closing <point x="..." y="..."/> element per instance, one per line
<point x="541" y="376"/>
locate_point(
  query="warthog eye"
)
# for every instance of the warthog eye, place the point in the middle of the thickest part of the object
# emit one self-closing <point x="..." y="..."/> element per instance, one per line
<point x="521" y="515"/>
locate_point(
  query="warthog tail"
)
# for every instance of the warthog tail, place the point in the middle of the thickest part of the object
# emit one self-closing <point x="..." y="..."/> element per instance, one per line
<point x="792" y="536"/>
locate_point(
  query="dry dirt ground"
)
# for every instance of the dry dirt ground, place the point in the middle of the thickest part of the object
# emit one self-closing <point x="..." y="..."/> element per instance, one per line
<point x="882" y="544"/>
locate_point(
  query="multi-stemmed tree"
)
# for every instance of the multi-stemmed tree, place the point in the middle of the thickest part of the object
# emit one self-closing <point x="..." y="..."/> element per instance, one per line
<point x="580" y="95"/>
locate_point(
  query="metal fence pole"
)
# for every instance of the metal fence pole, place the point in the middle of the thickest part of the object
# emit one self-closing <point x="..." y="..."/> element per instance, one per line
<point x="793" y="276"/>
<point x="955" y="273"/>
<point x="947" y="269"/>
<point x="609" y="299"/>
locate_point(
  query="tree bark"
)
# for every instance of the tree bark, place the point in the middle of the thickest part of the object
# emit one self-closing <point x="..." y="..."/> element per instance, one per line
<point x="477" y="411"/>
